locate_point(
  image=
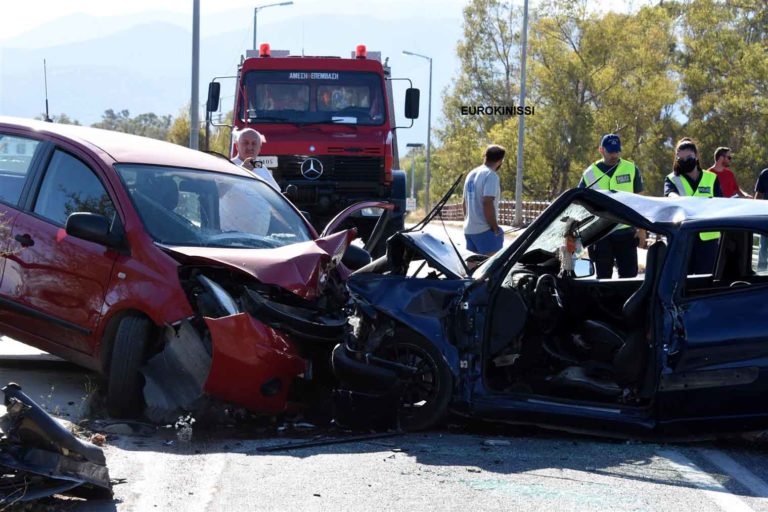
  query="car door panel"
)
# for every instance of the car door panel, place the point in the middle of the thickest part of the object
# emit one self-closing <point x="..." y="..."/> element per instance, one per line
<point x="7" y="243"/>
<point x="56" y="286"/>
<point x="719" y="367"/>
<point x="20" y="158"/>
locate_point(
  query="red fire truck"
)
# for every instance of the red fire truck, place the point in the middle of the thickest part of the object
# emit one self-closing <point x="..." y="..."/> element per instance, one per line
<point x="329" y="125"/>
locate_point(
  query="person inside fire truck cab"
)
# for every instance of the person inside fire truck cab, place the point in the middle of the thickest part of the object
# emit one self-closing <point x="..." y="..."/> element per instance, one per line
<point x="249" y="143"/>
<point x="289" y="98"/>
<point x="324" y="102"/>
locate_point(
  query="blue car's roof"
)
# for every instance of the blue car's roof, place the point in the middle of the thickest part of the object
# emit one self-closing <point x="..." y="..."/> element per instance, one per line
<point x="666" y="210"/>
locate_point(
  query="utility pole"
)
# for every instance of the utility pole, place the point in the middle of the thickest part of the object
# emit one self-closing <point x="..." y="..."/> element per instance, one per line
<point x="194" y="104"/>
<point x="414" y="146"/>
<point x="521" y="125"/>
<point x="427" y="176"/>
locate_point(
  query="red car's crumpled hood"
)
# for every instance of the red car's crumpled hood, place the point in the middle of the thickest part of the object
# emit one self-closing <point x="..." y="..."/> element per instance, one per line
<point x="296" y="268"/>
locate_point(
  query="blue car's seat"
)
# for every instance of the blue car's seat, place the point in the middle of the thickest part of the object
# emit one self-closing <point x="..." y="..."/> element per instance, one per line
<point x="618" y="355"/>
<point x="626" y="348"/>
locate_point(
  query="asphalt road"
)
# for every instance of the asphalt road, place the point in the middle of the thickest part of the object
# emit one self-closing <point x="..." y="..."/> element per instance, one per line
<point x="436" y="471"/>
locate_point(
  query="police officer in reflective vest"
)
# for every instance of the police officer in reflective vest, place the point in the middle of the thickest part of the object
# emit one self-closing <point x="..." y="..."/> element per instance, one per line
<point x="688" y="179"/>
<point x="615" y="173"/>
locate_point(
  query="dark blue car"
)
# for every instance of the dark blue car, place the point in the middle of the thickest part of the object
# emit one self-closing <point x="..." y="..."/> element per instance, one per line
<point x="531" y="336"/>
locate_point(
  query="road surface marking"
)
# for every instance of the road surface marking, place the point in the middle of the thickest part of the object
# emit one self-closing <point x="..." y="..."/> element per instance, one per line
<point x="708" y="485"/>
<point x="756" y="485"/>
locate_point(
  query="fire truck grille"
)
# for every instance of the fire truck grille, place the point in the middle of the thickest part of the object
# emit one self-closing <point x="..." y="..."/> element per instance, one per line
<point x="335" y="168"/>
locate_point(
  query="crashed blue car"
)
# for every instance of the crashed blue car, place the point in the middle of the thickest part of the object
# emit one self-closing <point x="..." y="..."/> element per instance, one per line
<point x="531" y="336"/>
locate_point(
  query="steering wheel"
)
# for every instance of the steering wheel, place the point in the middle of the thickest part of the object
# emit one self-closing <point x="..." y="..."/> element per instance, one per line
<point x="548" y="303"/>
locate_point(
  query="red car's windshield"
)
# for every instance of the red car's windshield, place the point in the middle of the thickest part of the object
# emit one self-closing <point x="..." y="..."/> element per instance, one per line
<point x="211" y="209"/>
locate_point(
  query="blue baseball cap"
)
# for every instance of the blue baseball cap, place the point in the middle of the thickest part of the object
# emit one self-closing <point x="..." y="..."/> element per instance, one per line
<point x="611" y="143"/>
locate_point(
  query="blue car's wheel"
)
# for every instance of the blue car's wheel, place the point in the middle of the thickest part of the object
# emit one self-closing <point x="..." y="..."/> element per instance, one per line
<point x="425" y="394"/>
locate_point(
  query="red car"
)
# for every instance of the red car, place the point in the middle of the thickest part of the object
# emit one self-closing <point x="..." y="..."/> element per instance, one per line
<point x="170" y="271"/>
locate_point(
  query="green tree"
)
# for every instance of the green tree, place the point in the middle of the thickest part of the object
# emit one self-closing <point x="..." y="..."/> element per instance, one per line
<point x="489" y="55"/>
<point x="593" y="75"/>
<point x="724" y="64"/>
<point x="178" y="132"/>
<point x="588" y="75"/>
<point x="61" y="119"/>
<point x="146" y="125"/>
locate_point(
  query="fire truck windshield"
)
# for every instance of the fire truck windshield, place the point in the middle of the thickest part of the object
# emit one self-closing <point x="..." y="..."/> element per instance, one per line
<point x="310" y="97"/>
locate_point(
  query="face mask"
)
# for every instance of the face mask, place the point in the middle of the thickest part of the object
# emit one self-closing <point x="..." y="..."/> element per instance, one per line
<point x="687" y="165"/>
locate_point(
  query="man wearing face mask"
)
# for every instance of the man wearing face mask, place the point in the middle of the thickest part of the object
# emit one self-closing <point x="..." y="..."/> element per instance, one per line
<point x="688" y="179"/>
<point x="615" y="173"/>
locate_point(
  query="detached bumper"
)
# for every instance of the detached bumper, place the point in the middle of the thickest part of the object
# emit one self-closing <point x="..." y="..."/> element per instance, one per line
<point x="39" y="457"/>
<point x="253" y="365"/>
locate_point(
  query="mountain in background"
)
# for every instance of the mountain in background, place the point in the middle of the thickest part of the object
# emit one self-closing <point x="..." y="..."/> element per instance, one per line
<point x="143" y="62"/>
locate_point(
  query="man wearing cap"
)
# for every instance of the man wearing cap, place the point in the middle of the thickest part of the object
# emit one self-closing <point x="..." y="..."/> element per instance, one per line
<point x="615" y="173"/>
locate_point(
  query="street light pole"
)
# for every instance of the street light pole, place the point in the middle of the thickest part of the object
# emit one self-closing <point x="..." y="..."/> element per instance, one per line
<point x="427" y="175"/>
<point x="194" y="104"/>
<point x="256" y="14"/>
<point x="521" y="125"/>
<point x="414" y="145"/>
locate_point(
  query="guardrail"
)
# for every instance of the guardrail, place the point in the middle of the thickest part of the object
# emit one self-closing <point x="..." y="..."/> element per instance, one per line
<point x="531" y="210"/>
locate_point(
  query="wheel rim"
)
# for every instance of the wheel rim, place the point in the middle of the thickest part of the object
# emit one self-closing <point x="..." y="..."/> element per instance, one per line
<point x="421" y="389"/>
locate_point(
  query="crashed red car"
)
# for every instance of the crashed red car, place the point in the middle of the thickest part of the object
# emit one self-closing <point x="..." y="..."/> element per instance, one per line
<point x="173" y="272"/>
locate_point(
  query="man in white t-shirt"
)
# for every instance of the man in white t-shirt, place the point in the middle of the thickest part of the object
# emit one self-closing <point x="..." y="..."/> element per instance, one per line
<point x="249" y="143"/>
<point x="482" y="191"/>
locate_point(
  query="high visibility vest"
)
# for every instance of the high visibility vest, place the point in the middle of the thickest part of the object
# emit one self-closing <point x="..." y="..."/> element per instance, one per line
<point x="705" y="188"/>
<point x="623" y="178"/>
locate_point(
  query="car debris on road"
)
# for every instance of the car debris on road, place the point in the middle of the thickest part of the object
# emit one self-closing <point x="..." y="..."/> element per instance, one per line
<point x="40" y="458"/>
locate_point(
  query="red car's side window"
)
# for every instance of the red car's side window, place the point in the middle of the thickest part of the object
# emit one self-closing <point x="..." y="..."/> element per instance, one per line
<point x="15" y="162"/>
<point x="70" y="186"/>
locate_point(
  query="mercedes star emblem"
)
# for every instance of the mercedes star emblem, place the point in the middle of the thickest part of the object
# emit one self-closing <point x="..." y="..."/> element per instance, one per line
<point x="311" y="168"/>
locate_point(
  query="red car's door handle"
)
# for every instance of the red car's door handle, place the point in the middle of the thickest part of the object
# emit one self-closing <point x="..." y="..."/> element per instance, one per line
<point x="25" y="240"/>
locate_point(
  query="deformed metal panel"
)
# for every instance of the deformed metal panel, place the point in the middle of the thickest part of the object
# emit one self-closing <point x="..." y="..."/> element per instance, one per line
<point x="175" y="377"/>
<point x="39" y="457"/>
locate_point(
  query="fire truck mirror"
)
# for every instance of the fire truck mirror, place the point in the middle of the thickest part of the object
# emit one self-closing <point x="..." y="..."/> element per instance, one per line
<point x="214" y="90"/>
<point x="411" y="103"/>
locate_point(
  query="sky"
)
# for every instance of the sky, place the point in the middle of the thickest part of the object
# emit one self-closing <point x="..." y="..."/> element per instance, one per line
<point x="21" y="18"/>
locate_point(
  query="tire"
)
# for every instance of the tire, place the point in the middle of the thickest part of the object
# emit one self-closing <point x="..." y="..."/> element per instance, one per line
<point x="125" y="383"/>
<point x="426" y="394"/>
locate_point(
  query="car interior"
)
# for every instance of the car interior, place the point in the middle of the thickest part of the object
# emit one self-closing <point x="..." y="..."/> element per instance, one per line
<point x="554" y="333"/>
<point x="573" y="336"/>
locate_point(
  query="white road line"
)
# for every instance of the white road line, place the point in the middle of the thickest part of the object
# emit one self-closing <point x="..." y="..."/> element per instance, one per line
<point x="708" y="485"/>
<point x="208" y="488"/>
<point x="757" y="486"/>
